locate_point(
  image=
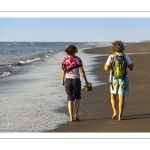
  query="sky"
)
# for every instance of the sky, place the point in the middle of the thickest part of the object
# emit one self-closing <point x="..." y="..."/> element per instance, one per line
<point x="129" y="23"/>
<point x="67" y="29"/>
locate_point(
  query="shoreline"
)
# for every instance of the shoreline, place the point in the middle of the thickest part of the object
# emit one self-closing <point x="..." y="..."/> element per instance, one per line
<point x="95" y="110"/>
<point x="36" y="101"/>
<point x="28" y="99"/>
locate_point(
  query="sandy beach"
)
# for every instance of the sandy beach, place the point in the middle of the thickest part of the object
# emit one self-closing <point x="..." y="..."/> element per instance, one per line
<point x="28" y="99"/>
<point x="95" y="110"/>
<point x="36" y="101"/>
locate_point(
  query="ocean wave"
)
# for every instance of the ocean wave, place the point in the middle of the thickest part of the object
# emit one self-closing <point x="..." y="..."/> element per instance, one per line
<point x="22" y="62"/>
<point x="21" y="65"/>
<point x="99" y="43"/>
<point x="46" y="56"/>
<point x="19" y="57"/>
<point x="5" y="74"/>
<point x="51" y="51"/>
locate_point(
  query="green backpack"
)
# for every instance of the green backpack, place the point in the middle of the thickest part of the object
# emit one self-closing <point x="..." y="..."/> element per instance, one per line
<point x="119" y="66"/>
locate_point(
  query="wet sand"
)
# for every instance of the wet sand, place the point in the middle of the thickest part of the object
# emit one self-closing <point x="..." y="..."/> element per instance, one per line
<point x="95" y="111"/>
<point x="28" y="99"/>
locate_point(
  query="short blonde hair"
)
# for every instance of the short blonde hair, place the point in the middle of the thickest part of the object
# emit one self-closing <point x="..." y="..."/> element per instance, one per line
<point x="118" y="46"/>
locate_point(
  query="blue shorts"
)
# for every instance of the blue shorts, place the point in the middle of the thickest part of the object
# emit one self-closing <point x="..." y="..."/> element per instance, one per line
<point x="119" y="86"/>
<point x="73" y="88"/>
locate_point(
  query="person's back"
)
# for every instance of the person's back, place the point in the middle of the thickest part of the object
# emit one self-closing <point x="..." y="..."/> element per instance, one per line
<point x="119" y="82"/>
<point x="71" y="68"/>
<point x="71" y="65"/>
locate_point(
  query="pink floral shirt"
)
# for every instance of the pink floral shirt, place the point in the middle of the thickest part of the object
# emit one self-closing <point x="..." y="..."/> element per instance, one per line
<point x="70" y="65"/>
<point x="71" y="62"/>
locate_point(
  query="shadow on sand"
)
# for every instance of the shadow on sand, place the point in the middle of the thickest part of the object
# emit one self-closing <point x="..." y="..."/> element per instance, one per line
<point x="140" y="116"/>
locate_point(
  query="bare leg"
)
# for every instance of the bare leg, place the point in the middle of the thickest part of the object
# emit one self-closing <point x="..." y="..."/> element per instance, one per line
<point x="77" y="105"/>
<point x="121" y="105"/>
<point x="113" y="103"/>
<point x="70" y="109"/>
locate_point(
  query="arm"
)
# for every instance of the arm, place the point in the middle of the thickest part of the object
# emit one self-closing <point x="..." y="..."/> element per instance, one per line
<point x="129" y="62"/>
<point x="83" y="74"/>
<point x="130" y="66"/>
<point x="63" y="77"/>
<point x="106" y="67"/>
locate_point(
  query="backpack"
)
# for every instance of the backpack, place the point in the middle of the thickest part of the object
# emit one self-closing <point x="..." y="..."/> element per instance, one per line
<point x="119" y="66"/>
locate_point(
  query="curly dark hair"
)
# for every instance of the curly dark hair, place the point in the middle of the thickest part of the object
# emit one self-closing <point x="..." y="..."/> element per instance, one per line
<point x="118" y="46"/>
<point x="71" y="50"/>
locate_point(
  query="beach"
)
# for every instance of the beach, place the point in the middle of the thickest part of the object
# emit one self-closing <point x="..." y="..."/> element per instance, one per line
<point x="95" y="111"/>
<point x="28" y="99"/>
<point x="32" y="96"/>
<point x="36" y="101"/>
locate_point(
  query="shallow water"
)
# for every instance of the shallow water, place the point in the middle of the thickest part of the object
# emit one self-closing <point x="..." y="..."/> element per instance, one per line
<point x="28" y="99"/>
<point x="20" y="57"/>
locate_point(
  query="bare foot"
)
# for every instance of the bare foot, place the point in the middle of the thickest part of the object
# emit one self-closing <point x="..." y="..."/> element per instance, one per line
<point x="114" y="116"/>
<point x="71" y="120"/>
<point x="119" y="118"/>
<point x="76" y="118"/>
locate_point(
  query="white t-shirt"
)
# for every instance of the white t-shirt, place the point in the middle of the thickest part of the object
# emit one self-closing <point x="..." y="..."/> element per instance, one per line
<point x="110" y="59"/>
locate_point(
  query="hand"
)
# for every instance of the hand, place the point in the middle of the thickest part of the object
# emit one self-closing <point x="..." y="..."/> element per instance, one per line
<point x="86" y="82"/>
<point x="111" y="68"/>
<point x="63" y="83"/>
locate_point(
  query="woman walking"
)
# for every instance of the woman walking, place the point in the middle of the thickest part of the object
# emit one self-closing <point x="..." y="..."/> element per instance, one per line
<point x="71" y="68"/>
<point x="117" y="64"/>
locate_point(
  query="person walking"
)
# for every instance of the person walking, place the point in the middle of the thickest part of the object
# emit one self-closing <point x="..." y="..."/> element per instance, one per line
<point x="117" y="64"/>
<point x="71" y="68"/>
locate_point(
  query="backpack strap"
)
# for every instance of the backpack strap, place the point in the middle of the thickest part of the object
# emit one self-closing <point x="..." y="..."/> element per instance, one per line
<point x="123" y="55"/>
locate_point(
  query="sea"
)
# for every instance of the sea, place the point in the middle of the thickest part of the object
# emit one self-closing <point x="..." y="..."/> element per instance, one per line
<point x="23" y="110"/>
<point x="19" y="57"/>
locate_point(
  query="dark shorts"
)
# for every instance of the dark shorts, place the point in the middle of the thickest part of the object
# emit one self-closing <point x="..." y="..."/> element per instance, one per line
<point x="73" y="88"/>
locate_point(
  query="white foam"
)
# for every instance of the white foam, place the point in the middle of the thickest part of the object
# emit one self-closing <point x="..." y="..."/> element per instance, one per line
<point x="28" y="60"/>
<point x="5" y="74"/>
<point x="46" y="56"/>
<point x="21" y="62"/>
